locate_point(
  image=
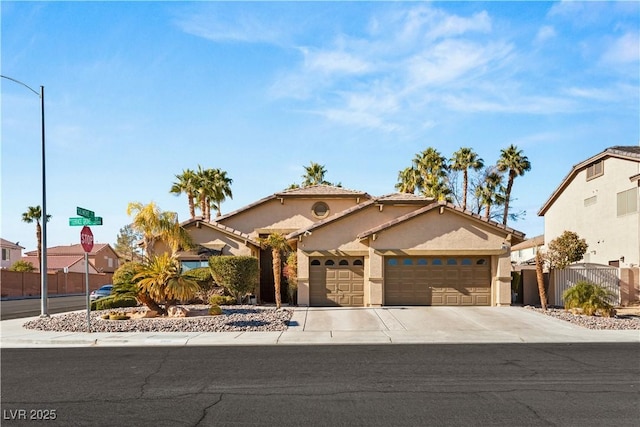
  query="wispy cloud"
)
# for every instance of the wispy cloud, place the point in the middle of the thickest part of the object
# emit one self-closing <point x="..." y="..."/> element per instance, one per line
<point x="545" y="33"/>
<point x="623" y="50"/>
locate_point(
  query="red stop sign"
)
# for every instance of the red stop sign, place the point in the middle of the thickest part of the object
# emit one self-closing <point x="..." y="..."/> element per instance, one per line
<point x="86" y="239"/>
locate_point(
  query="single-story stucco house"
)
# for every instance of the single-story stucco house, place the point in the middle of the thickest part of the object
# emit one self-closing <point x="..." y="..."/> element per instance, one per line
<point x="354" y="249"/>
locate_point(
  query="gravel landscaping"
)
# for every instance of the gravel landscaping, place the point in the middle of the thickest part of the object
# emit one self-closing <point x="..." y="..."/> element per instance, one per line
<point x="623" y="322"/>
<point x="239" y="318"/>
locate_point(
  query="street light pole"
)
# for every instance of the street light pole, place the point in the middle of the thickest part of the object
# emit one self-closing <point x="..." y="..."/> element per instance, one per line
<point x="44" y="312"/>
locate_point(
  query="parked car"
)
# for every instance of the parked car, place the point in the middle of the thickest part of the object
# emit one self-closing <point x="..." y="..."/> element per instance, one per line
<point x="103" y="291"/>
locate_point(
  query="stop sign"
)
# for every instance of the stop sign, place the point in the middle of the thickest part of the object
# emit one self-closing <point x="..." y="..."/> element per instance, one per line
<point x="86" y="239"/>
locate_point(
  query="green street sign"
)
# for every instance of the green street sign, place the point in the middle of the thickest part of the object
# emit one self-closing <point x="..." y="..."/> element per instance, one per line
<point x="85" y="221"/>
<point x="85" y="213"/>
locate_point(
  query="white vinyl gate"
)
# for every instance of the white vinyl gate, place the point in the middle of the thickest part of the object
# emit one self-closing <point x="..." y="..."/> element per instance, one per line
<point x="606" y="277"/>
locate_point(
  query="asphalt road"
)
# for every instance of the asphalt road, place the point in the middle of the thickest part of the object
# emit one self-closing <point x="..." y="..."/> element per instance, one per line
<point x="387" y="385"/>
<point x="14" y="309"/>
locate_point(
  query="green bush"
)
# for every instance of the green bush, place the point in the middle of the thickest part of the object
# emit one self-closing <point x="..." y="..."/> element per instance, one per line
<point x="222" y="300"/>
<point x="237" y="274"/>
<point x="215" y="310"/>
<point x="123" y="280"/>
<point x="114" y="301"/>
<point x="206" y="284"/>
<point x="588" y="297"/>
<point x="21" y="265"/>
<point x="118" y="317"/>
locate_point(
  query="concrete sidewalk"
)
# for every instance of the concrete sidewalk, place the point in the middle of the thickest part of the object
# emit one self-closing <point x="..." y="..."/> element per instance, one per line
<point x="387" y="325"/>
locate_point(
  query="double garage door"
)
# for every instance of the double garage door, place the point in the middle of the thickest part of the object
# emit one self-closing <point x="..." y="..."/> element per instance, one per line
<point x="437" y="281"/>
<point x="336" y="281"/>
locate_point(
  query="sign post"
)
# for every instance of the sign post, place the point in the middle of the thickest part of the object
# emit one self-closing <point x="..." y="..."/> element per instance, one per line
<point x="86" y="240"/>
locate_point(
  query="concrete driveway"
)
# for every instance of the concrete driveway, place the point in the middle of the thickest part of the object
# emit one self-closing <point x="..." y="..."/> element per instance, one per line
<point x="440" y="325"/>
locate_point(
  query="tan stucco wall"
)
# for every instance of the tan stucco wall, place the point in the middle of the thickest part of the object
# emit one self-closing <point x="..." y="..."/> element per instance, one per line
<point x="288" y="214"/>
<point x="232" y="246"/>
<point x="609" y="237"/>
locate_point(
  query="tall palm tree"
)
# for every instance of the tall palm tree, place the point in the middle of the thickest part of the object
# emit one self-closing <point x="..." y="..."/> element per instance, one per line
<point x="490" y="192"/>
<point x="463" y="160"/>
<point x="186" y="183"/>
<point x="314" y="174"/>
<point x="432" y="167"/>
<point x="154" y="225"/>
<point x="34" y="214"/>
<point x="221" y="189"/>
<point x="512" y="160"/>
<point x="278" y="244"/>
<point x="408" y="180"/>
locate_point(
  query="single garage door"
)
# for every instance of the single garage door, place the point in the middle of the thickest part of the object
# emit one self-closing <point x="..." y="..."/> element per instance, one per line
<point x="437" y="281"/>
<point x="336" y="281"/>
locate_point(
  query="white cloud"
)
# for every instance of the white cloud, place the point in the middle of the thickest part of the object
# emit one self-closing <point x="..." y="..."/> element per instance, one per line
<point x="329" y="62"/>
<point x="545" y="33"/>
<point x="624" y="50"/>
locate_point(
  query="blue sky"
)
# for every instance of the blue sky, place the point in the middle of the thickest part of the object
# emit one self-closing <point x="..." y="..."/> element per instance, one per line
<point x="138" y="91"/>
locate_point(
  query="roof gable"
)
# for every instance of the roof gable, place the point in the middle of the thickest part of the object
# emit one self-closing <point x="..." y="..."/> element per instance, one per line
<point x="10" y="245"/>
<point x="231" y="232"/>
<point x="441" y="205"/>
<point x="630" y="153"/>
<point x="333" y="218"/>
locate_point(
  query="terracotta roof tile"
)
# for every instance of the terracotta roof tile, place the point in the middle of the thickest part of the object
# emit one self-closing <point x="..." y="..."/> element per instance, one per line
<point x="529" y="243"/>
<point x="70" y="250"/>
<point x="8" y="244"/>
<point x="58" y="262"/>
<point x="321" y="190"/>
<point x="404" y="197"/>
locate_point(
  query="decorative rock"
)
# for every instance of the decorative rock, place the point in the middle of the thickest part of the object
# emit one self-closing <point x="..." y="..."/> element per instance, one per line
<point x="175" y="311"/>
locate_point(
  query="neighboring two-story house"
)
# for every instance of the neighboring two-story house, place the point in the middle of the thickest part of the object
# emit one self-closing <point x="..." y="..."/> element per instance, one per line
<point x="11" y="252"/>
<point x="524" y="253"/>
<point x="71" y="258"/>
<point x="599" y="200"/>
<point x="354" y="249"/>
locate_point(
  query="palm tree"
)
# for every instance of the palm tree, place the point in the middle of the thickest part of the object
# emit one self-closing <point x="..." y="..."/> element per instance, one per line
<point x="221" y="189"/>
<point x="186" y="183"/>
<point x="34" y="214"/>
<point x="314" y="175"/>
<point x="155" y="225"/>
<point x="490" y="192"/>
<point x="408" y="180"/>
<point x="432" y="167"/>
<point x="278" y="244"/>
<point x="463" y="160"/>
<point x="161" y="281"/>
<point x="512" y="160"/>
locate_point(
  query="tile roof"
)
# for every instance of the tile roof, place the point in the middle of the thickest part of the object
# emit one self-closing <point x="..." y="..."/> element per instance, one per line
<point x="520" y="235"/>
<point x="230" y="232"/>
<point x="11" y="245"/>
<point x="58" y="262"/>
<point x="629" y="152"/>
<point x="321" y="190"/>
<point x="404" y="197"/>
<point x="529" y="243"/>
<point x="70" y="250"/>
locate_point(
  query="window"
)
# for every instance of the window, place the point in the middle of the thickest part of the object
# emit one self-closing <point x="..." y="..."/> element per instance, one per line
<point x="357" y="262"/>
<point x="407" y="261"/>
<point x="481" y="261"/>
<point x="590" y="201"/>
<point x="315" y="262"/>
<point x="343" y="262"/>
<point x="595" y="170"/>
<point x="452" y="261"/>
<point x="320" y="210"/>
<point x="422" y="261"/>
<point x="329" y="262"/>
<point x="466" y="261"/>
<point x="437" y="261"/>
<point x="190" y="265"/>
<point x="627" y="201"/>
<point x="110" y="262"/>
<point x="392" y="261"/>
<point x="5" y="254"/>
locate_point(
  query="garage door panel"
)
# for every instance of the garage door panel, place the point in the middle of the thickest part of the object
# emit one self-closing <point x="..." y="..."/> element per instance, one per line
<point x="437" y="281"/>
<point x="336" y="281"/>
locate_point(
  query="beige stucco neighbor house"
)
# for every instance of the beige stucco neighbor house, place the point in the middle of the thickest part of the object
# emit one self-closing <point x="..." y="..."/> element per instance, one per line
<point x="11" y="252"/>
<point x="357" y="250"/>
<point x="598" y="199"/>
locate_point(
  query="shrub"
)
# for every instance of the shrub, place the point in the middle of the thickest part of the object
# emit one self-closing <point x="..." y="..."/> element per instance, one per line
<point x="20" y="265"/>
<point x="291" y="274"/>
<point x="222" y="300"/>
<point x="206" y="285"/>
<point x="123" y="279"/>
<point x="237" y="274"/>
<point x="215" y="310"/>
<point x="114" y="301"/>
<point x="118" y="316"/>
<point x="588" y="297"/>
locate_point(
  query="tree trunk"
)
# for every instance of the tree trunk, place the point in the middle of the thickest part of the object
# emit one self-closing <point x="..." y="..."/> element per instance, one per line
<point x="507" y="198"/>
<point x="192" y="206"/>
<point x="465" y="179"/>
<point x="276" y="275"/>
<point x="540" y="279"/>
<point x="151" y="303"/>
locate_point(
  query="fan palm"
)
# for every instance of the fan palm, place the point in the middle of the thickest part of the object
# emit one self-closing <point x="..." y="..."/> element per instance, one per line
<point x="512" y="160"/>
<point x="432" y="168"/>
<point x="34" y="214"/>
<point x="408" y="180"/>
<point x="490" y="192"/>
<point x="186" y="183"/>
<point x="278" y="244"/>
<point x="155" y="225"/>
<point x="463" y="160"/>
<point x="314" y="174"/>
